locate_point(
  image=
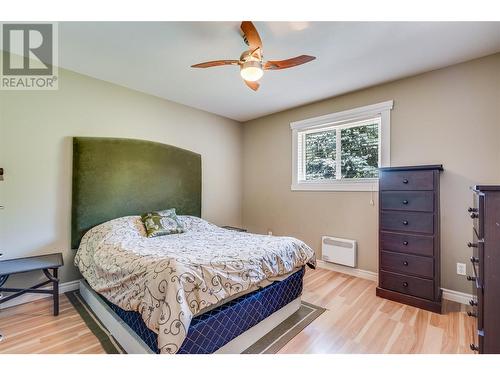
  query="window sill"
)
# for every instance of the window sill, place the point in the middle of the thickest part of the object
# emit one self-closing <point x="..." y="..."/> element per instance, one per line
<point x="346" y="185"/>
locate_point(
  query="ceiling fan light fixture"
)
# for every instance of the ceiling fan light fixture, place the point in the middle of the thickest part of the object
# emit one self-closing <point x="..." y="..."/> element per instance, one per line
<point x="251" y="62"/>
<point x="251" y="70"/>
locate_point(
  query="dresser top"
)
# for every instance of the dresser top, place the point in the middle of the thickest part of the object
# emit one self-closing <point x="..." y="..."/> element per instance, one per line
<point x="486" y="188"/>
<point x="414" y="168"/>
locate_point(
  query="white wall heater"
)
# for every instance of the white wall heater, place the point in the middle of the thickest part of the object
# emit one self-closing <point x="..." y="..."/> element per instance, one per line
<point x="339" y="250"/>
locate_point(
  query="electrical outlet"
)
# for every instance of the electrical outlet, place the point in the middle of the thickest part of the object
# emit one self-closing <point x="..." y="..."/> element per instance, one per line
<point x="269" y="233"/>
<point x="461" y="269"/>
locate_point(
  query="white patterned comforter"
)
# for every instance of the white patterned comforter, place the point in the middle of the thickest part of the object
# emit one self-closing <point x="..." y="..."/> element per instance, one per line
<point x="169" y="279"/>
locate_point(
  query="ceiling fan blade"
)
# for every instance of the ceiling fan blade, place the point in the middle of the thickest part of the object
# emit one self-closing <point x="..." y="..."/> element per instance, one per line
<point x="251" y="36"/>
<point x="210" y="64"/>
<point x="253" y="85"/>
<point x="284" y="64"/>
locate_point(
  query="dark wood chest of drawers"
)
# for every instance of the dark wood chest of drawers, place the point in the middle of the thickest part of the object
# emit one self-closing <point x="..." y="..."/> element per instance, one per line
<point x="485" y="261"/>
<point x="409" y="236"/>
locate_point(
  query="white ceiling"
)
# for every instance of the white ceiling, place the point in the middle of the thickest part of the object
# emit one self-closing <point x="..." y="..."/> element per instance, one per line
<point x="155" y="57"/>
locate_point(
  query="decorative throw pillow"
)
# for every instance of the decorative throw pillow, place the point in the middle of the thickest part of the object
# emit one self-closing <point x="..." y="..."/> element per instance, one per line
<point x="170" y="221"/>
<point x="161" y="223"/>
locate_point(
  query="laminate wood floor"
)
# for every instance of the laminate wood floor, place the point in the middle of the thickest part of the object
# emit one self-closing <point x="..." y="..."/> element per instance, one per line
<point x="31" y="328"/>
<point x="356" y="321"/>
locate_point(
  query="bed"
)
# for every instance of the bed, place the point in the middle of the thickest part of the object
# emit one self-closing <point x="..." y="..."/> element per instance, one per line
<point x="206" y="290"/>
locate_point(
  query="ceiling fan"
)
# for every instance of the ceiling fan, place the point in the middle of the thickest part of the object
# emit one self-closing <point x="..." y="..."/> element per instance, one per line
<point x="251" y="62"/>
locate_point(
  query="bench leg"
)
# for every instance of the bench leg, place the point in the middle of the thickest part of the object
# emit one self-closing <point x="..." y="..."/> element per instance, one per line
<point x="56" y="292"/>
<point x="55" y="288"/>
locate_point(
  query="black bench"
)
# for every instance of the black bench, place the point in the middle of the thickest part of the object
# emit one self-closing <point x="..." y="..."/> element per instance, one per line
<point x="45" y="263"/>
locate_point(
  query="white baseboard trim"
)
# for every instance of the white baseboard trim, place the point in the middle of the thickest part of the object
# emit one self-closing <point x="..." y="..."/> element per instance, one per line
<point x="455" y="296"/>
<point x="25" y="298"/>
<point x="450" y="295"/>
<point x="364" y="274"/>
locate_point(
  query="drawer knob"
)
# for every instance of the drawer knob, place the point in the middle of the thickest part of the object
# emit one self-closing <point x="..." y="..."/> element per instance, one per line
<point x="472" y="209"/>
<point x="473" y="215"/>
<point x="405" y="243"/>
<point x="405" y="222"/>
<point x="471" y="278"/>
<point x="405" y="202"/>
<point x="405" y="284"/>
<point x="405" y="180"/>
<point x="474" y="348"/>
<point x="405" y="263"/>
<point x="470" y="244"/>
<point x="474" y="260"/>
<point x="472" y="302"/>
<point x="472" y="314"/>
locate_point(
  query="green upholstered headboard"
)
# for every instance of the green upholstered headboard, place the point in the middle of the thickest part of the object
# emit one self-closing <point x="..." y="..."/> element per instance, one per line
<point x="115" y="177"/>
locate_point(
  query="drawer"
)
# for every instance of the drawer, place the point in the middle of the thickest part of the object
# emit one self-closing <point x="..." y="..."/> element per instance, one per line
<point x="406" y="180"/>
<point x="407" y="264"/>
<point x="477" y="215"/>
<point x="421" y="222"/>
<point x="407" y="243"/>
<point x="407" y="200"/>
<point x="477" y="267"/>
<point x="477" y="258"/>
<point x="414" y="286"/>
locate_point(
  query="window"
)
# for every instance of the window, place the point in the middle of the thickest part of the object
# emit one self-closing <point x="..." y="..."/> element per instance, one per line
<point x="341" y="151"/>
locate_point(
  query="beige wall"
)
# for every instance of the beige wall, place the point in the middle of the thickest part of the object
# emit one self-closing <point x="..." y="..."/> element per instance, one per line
<point x="35" y="150"/>
<point x="449" y="116"/>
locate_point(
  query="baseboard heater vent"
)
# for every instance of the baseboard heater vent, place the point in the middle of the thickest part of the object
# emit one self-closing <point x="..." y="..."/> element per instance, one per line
<point x="339" y="250"/>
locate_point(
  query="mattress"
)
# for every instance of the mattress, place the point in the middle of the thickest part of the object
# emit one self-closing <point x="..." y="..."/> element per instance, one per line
<point x="261" y="285"/>
<point x="171" y="279"/>
<point x="212" y="330"/>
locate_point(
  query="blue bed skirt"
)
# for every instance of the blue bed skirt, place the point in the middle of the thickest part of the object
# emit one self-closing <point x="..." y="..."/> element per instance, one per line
<point x="214" y="329"/>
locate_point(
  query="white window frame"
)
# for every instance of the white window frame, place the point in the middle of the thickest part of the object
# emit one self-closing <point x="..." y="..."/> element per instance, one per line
<point x="382" y="110"/>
